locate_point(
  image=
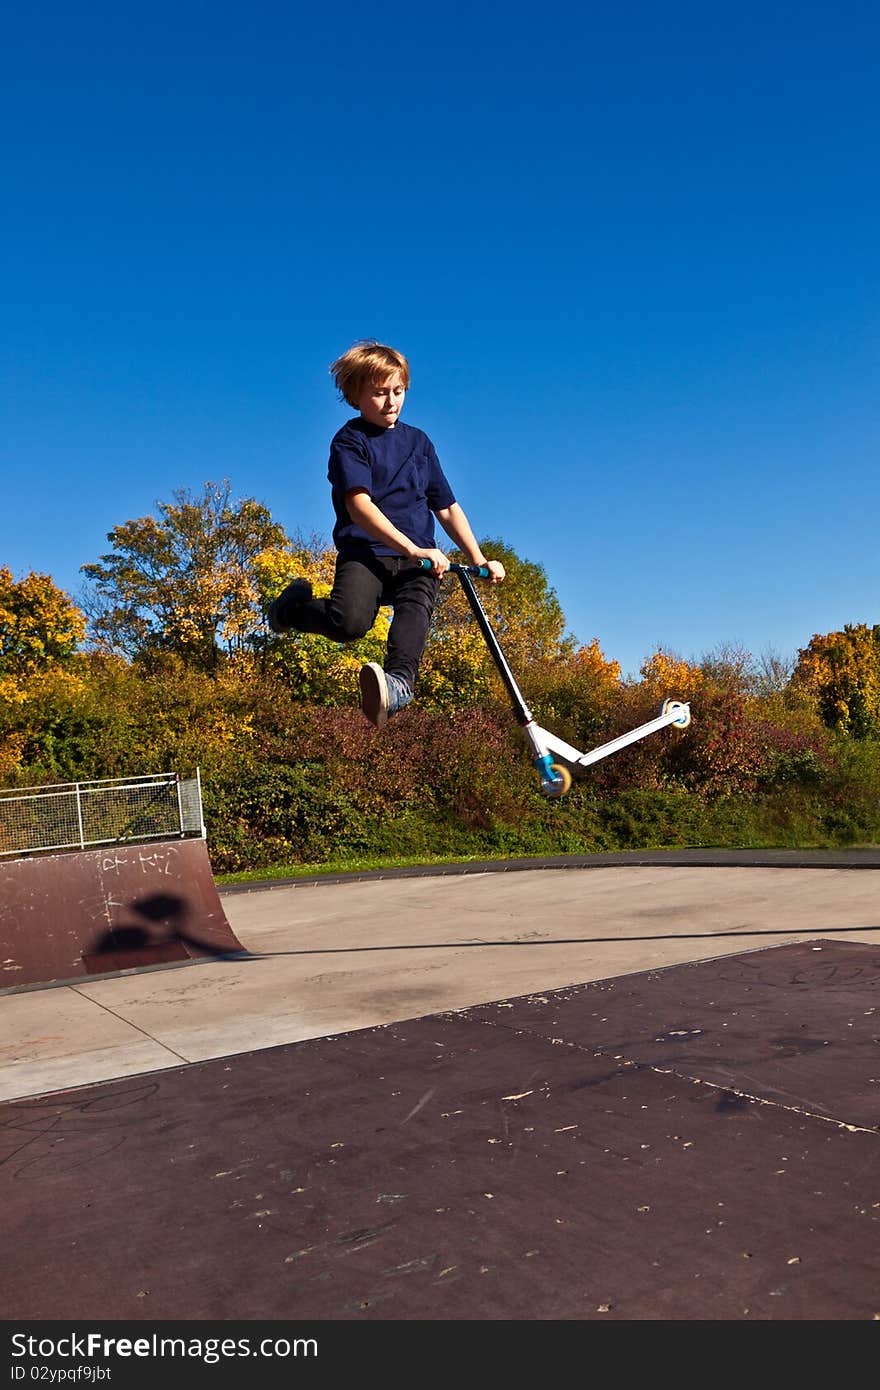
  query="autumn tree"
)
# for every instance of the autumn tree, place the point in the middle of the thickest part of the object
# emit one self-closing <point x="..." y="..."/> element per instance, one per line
<point x="842" y="672"/>
<point x="41" y="629"/>
<point x="185" y="580"/>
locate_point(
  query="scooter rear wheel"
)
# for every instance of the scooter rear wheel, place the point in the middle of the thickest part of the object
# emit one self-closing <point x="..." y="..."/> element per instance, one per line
<point x="684" y="717"/>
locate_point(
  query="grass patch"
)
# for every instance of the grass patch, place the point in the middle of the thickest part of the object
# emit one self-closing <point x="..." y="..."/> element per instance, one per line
<point x="353" y="866"/>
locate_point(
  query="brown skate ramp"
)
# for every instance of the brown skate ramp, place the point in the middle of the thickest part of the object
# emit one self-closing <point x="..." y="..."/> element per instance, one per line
<point x="91" y="911"/>
<point x="544" y="1158"/>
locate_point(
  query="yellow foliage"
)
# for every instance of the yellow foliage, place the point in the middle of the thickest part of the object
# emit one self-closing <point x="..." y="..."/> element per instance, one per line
<point x="12" y="691"/>
<point x="226" y="729"/>
<point x="591" y="661"/>
<point x="668" y="674"/>
<point x="12" y="747"/>
<point x="454" y="671"/>
<point x="841" y="670"/>
<point x="40" y="631"/>
<point x="276" y="566"/>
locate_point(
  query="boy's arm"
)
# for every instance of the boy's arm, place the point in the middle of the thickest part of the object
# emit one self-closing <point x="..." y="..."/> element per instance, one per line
<point x="365" y="514"/>
<point x="458" y="528"/>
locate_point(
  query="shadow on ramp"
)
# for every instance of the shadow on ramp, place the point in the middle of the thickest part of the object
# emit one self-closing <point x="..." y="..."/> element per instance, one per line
<point x="89" y="912"/>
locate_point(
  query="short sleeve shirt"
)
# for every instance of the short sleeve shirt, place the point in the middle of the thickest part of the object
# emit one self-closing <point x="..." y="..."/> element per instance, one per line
<point x="400" y="470"/>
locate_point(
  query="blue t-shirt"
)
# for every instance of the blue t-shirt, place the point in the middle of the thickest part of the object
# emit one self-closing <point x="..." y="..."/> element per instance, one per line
<point x="400" y="470"/>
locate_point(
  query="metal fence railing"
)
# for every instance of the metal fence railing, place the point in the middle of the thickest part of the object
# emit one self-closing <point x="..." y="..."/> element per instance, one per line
<point x="115" y="810"/>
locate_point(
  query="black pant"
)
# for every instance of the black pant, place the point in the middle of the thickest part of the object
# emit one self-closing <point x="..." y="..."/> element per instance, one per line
<point x="360" y="588"/>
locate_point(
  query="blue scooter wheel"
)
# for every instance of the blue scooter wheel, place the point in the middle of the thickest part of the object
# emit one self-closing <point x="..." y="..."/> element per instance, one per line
<point x="561" y="781"/>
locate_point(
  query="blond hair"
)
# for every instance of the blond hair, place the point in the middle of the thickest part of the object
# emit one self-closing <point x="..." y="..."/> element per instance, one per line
<point x="367" y="362"/>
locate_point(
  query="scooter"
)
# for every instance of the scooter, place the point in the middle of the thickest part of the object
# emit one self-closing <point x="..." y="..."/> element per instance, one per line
<point x="555" y="776"/>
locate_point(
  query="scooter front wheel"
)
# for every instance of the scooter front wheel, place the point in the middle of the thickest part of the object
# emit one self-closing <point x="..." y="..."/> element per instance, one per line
<point x="561" y="781"/>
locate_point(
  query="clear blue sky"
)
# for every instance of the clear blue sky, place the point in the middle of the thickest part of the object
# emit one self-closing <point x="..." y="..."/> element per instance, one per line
<point x="630" y="249"/>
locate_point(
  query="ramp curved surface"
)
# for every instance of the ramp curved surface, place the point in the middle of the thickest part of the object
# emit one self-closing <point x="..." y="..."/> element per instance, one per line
<point x="87" y="912"/>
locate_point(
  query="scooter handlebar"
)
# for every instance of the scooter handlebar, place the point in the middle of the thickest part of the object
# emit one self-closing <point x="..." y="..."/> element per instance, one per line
<point x="478" y="571"/>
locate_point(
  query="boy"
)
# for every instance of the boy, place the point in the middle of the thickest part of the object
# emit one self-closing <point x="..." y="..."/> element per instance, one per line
<point x="386" y="482"/>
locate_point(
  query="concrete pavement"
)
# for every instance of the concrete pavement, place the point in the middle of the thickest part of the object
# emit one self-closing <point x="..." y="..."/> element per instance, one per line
<point x="332" y="957"/>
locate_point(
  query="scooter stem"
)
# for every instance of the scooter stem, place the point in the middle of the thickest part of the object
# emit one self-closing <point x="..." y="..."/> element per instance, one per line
<point x="464" y="572"/>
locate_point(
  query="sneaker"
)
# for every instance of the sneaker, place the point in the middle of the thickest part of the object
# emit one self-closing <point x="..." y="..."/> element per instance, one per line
<point x="382" y="694"/>
<point x="299" y="591"/>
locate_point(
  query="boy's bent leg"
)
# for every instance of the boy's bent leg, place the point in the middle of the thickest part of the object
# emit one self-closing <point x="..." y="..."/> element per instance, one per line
<point x="346" y="615"/>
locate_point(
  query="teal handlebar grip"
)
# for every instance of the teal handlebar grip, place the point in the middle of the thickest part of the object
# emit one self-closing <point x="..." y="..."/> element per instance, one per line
<point x="478" y="571"/>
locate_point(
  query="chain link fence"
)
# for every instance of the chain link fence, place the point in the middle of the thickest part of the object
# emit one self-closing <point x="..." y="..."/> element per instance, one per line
<point x="116" y="810"/>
